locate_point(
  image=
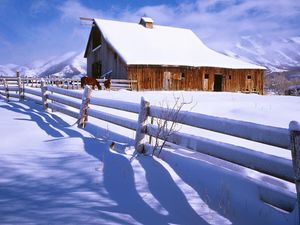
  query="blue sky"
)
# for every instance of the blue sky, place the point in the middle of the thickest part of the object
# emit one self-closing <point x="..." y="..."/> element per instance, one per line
<point x="32" y="30"/>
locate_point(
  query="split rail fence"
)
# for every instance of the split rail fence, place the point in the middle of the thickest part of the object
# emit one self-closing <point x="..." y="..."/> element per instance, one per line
<point x="68" y="83"/>
<point x="77" y="105"/>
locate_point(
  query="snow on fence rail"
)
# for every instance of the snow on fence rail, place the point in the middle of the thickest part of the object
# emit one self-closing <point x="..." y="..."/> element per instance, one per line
<point x="11" y="88"/>
<point x="76" y="104"/>
<point x="68" y="83"/>
<point x="74" y="83"/>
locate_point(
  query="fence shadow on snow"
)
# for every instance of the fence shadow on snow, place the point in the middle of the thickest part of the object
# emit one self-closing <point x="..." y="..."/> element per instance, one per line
<point x="77" y="105"/>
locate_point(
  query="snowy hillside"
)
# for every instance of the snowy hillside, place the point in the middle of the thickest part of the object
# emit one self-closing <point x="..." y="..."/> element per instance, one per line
<point x="277" y="55"/>
<point x="68" y="65"/>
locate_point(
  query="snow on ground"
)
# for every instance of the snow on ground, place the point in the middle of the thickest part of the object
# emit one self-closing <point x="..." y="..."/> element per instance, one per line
<point x="273" y="110"/>
<point x="54" y="173"/>
<point x="276" y="111"/>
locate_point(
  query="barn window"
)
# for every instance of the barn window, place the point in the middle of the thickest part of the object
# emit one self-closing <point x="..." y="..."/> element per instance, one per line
<point x="182" y="76"/>
<point x="96" y="38"/>
<point x="115" y="55"/>
<point x="229" y="77"/>
<point x="249" y="77"/>
<point x="178" y="76"/>
<point x="206" y="76"/>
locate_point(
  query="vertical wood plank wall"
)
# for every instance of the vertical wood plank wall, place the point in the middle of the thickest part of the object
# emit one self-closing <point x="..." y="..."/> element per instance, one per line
<point x="233" y="80"/>
<point x="106" y="56"/>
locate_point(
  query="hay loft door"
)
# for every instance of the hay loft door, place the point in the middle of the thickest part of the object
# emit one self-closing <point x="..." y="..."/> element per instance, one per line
<point x="218" y="83"/>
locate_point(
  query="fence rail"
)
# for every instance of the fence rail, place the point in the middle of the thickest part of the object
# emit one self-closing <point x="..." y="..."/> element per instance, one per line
<point x="246" y="130"/>
<point x="77" y="104"/>
<point x="68" y="83"/>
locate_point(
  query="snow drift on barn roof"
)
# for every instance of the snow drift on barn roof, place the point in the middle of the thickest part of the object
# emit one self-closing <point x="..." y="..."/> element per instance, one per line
<point x="163" y="45"/>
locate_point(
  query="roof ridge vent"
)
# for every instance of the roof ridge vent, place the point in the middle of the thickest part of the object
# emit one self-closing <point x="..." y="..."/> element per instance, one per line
<point x="147" y="22"/>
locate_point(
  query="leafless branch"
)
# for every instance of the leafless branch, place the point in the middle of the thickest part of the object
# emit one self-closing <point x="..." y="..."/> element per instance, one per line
<point x="167" y="126"/>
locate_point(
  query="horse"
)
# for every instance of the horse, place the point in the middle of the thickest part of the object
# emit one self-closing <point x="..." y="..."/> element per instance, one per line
<point x="90" y="81"/>
<point x="58" y="83"/>
<point x="107" y="83"/>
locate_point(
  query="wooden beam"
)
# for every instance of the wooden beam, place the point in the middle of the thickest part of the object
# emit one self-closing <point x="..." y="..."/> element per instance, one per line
<point x="83" y="116"/>
<point x="140" y="137"/>
<point x="86" y="18"/>
<point x="294" y="128"/>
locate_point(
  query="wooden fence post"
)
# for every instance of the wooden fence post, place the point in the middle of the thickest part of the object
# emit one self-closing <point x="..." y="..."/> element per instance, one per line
<point x="21" y="89"/>
<point x="140" y="137"/>
<point x="44" y="94"/>
<point x="294" y="128"/>
<point x="83" y="116"/>
<point x="150" y="136"/>
<point x="6" y="89"/>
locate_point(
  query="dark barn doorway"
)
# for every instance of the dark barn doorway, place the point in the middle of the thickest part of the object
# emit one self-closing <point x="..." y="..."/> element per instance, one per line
<point x="218" y="82"/>
<point x="96" y="70"/>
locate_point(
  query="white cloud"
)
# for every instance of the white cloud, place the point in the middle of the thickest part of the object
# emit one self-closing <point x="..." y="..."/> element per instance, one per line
<point x="39" y="6"/>
<point x="223" y="22"/>
<point x="73" y="9"/>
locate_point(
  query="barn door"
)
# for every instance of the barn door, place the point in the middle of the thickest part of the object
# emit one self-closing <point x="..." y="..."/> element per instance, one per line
<point x="218" y="82"/>
<point x="205" y="82"/>
<point x="96" y="69"/>
<point x="249" y="83"/>
<point x="167" y="82"/>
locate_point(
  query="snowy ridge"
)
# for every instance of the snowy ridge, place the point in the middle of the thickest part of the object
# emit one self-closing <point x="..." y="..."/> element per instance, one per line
<point x="278" y="54"/>
<point x="70" y="64"/>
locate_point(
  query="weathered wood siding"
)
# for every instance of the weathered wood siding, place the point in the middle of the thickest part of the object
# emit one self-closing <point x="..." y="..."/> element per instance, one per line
<point x="154" y="78"/>
<point x="106" y="56"/>
<point x="190" y="78"/>
<point x="234" y="80"/>
<point x="112" y="62"/>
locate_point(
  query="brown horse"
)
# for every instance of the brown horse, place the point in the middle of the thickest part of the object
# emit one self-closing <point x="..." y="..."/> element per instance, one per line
<point x="107" y="84"/>
<point x="90" y="81"/>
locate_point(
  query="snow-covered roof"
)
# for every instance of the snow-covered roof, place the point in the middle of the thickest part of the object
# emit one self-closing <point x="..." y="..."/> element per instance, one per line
<point x="163" y="45"/>
<point x="147" y="19"/>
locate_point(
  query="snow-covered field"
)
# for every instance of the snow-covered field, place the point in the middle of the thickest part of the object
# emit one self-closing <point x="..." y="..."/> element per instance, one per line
<point x="270" y="110"/>
<point x="54" y="173"/>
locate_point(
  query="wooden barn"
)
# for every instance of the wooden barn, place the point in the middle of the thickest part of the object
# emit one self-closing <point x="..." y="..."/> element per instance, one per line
<point x="165" y="58"/>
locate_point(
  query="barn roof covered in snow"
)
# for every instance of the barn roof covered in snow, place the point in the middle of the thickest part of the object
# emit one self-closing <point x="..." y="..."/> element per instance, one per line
<point x="163" y="45"/>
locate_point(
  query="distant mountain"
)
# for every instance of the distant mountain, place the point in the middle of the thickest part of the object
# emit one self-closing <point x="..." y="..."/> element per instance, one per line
<point x="68" y="65"/>
<point x="277" y="54"/>
<point x="281" y="57"/>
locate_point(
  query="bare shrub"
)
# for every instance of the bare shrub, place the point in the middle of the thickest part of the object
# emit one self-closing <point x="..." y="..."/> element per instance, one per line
<point x="279" y="83"/>
<point x="167" y="123"/>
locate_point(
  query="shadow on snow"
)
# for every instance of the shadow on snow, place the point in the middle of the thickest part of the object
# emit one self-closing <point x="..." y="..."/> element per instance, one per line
<point x="72" y="193"/>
